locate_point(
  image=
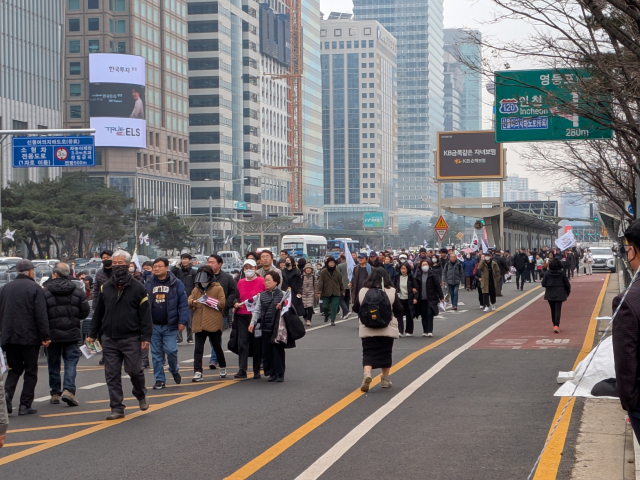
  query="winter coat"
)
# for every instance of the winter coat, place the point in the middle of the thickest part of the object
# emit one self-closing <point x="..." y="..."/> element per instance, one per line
<point x="357" y="271"/>
<point x="67" y="306"/>
<point x="261" y="272"/>
<point x="330" y="284"/>
<point x="293" y="279"/>
<point x="557" y="286"/>
<point x="124" y="313"/>
<point x="206" y="318"/>
<point x="416" y="264"/>
<point x="390" y="330"/>
<point x="436" y="269"/>
<point x="186" y="275"/>
<point x="288" y="318"/>
<point x="342" y="268"/>
<point x="503" y="265"/>
<point x="484" y="267"/>
<point x="230" y="289"/>
<point x="23" y="312"/>
<point x="469" y="265"/>
<point x="453" y="274"/>
<point x="309" y="282"/>
<point x="520" y="261"/>
<point x="391" y="271"/>
<point x="434" y="290"/>
<point x="626" y="347"/>
<point x="177" y="305"/>
<point x="411" y="284"/>
<point x="102" y="277"/>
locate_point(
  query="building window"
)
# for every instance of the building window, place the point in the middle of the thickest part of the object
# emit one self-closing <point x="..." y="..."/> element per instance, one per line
<point x="75" y="111"/>
<point x="334" y="45"/>
<point x="74" y="24"/>
<point x="365" y="195"/>
<point x="353" y="31"/>
<point x="98" y="157"/>
<point x="341" y="45"/>
<point x="373" y="195"/>
<point x="94" y="46"/>
<point x="75" y="89"/>
<point x="117" y="5"/>
<point x="117" y="26"/>
<point x="139" y="159"/>
<point x="93" y="24"/>
<point x="74" y="4"/>
<point x="326" y="45"/>
<point x="356" y="44"/>
<point x="367" y="31"/>
<point x="337" y="32"/>
<point x="370" y="43"/>
<point x="74" y="46"/>
<point x="348" y="44"/>
<point x="74" y="68"/>
<point x="93" y="4"/>
<point x="364" y="175"/>
<point x="323" y="33"/>
<point x="118" y="47"/>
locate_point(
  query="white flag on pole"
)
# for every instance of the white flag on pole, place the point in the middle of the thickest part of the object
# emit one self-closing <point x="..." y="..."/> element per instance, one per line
<point x="424" y="244"/>
<point x="136" y="260"/>
<point x="368" y="250"/>
<point x="567" y="240"/>
<point x="141" y="238"/>
<point x="485" y="247"/>
<point x="350" y="263"/>
<point x="146" y="240"/>
<point x="474" y="243"/>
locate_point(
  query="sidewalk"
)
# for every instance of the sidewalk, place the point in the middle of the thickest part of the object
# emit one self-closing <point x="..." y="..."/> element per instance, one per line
<point x="601" y="449"/>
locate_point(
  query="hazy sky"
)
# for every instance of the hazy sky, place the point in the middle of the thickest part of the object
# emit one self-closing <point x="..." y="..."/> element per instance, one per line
<point x="475" y="14"/>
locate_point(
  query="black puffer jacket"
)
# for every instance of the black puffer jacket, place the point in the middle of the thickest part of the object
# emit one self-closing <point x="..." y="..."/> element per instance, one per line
<point x="556" y="285"/>
<point x="66" y="308"/>
<point x="23" y="312"/>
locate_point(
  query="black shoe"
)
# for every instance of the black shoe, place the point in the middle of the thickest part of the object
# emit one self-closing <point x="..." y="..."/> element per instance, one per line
<point x="177" y="378"/>
<point x="26" y="411"/>
<point x="9" y="407"/>
<point x="326" y="319"/>
<point x="333" y="324"/>
<point x="101" y="361"/>
<point x="115" y="416"/>
<point x="272" y="378"/>
<point x="212" y="366"/>
<point x="159" y="385"/>
<point x="280" y="379"/>
<point x="257" y="376"/>
<point x="240" y="374"/>
<point x="145" y="364"/>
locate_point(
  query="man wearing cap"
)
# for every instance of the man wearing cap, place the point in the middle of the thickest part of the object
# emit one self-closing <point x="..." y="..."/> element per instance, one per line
<point x="375" y="262"/>
<point x="185" y="272"/>
<point x="360" y="275"/>
<point x="25" y="327"/>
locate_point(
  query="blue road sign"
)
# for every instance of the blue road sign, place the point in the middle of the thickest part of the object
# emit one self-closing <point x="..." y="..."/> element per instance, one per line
<point x="77" y="151"/>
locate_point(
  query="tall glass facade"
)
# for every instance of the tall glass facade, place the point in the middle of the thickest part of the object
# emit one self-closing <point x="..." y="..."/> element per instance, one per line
<point x="418" y="28"/>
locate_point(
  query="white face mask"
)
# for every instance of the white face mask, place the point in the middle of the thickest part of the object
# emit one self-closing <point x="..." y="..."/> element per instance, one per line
<point x="435" y="260"/>
<point x="131" y="269"/>
<point x="468" y="256"/>
<point x="425" y="268"/>
<point x="487" y="258"/>
<point x="249" y="273"/>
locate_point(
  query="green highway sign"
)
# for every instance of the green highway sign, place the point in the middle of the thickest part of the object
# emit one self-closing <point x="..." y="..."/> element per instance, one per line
<point x="539" y="105"/>
<point x="373" y="220"/>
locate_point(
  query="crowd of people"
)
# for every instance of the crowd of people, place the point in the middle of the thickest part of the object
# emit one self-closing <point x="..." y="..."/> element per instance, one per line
<point x="140" y="313"/>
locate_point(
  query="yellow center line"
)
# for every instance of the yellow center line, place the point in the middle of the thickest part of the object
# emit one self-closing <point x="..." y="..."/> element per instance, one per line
<point x="193" y="384"/>
<point x="287" y="442"/>
<point x="104" y="425"/>
<point x="52" y="427"/>
<point x="20" y="444"/>
<point x="51" y="415"/>
<point x="550" y="460"/>
<point x="148" y="397"/>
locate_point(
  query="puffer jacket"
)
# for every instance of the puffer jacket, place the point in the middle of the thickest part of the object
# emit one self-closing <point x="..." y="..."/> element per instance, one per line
<point x="205" y="318"/>
<point x="66" y="308"/>
<point x="556" y="285"/>
<point x="468" y="265"/>
<point x="330" y="284"/>
<point x="309" y="282"/>
<point x="390" y="330"/>
<point x="452" y="274"/>
<point x="23" y="312"/>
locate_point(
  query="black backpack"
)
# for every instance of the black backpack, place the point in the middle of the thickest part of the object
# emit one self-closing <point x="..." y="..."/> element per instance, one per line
<point x="375" y="309"/>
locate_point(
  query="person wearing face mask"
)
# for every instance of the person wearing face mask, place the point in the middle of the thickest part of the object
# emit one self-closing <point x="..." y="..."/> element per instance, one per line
<point x="453" y="273"/>
<point x="309" y="281"/>
<point x="429" y="294"/>
<point x="469" y="265"/>
<point x="422" y="255"/>
<point x="185" y="272"/>
<point x="626" y="333"/>
<point x="436" y="266"/>
<point x="133" y="270"/>
<point x="123" y="317"/>
<point x="104" y="274"/>
<point x="407" y="289"/>
<point x="248" y="287"/>
<point x="292" y="278"/>
<point x="489" y="281"/>
<point x="330" y="288"/>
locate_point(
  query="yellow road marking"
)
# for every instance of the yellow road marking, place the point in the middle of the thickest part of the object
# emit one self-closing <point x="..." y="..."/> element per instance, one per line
<point x="105" y="425"/>
<point x="193" y="384"/>
<point x="134" y="398"/>
<point x="52" y="427"/>
<point x="51" y="415"/>
<point x="550" y="460"/>
<point x="287" y="442"/>
<point x="20" y="444"/>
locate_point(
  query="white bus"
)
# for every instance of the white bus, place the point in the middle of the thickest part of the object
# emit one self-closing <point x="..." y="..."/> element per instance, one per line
<point x="311" y="247"/>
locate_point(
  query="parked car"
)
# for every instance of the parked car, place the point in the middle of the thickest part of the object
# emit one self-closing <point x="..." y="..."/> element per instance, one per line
<point x="603" y="257"/>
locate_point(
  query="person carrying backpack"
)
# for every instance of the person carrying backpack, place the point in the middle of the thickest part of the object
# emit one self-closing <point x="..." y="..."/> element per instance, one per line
<point x="377" y="326"/>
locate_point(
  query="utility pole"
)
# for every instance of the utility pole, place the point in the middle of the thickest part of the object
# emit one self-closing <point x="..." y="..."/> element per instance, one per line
<point x="210" y="225"/>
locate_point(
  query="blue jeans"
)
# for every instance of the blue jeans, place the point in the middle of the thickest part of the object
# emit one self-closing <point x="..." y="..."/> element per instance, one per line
<point x="453" y="290"/>
<point x="70" y="353"/>
<point x="164" y="341"/>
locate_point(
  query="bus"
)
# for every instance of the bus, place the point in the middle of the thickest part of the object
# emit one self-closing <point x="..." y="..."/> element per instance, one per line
<point x="311" y="247"/>
<point x="336" y="246"/>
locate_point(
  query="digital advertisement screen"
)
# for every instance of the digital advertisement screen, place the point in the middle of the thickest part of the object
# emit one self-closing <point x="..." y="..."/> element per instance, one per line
<point x="117" y="100"/>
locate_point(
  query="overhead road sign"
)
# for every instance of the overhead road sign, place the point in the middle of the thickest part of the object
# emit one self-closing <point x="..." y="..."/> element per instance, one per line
<point x="469" y="156"/>
<point x="75" y="151"/>
<point x="460" y="236"/>
<point x="544" y="105"/>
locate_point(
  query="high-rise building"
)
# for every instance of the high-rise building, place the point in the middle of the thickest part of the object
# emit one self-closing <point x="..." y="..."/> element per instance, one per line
<point x="463" y="50"/>
<point x="158" y="175"/>
<point x="31" y="41"/>
<point x="515" y="189"/>
<point x="359" y="116"/>
<point x="418" y="27"/>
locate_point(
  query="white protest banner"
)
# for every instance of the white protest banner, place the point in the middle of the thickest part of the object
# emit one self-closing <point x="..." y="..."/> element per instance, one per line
<point x="351" y="264"/>
<point x="567" y="240"/>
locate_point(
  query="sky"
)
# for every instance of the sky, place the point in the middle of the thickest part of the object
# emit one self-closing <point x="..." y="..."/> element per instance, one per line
<point x="476" y="14"/>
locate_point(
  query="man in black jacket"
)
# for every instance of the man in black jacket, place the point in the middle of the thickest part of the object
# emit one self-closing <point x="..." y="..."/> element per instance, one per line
<point x="104" y="274"/>
<point x="67" y="306"/>
<point x="123" y="317"/>
<point x="626" y="335"/>
<point x="186" y="274"/>
<point x="520" y="262"/>
<point x="25" y="327"/>
<point x="231" y="295"/>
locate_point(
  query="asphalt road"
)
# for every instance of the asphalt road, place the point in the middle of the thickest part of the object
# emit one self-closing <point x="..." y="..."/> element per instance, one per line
<point x="460" y="407"/>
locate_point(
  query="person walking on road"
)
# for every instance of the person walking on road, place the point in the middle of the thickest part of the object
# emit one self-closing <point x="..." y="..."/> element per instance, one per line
<point x="292" y="278"/>
<point x="248" y="287"/>
<point x="489" y="281"/>
<point x="265" y="314"/>
<point x="230" y="289"/>
<point x="266" y="261"/>
<point x="429" y="295"/>
<point x="67" y="306"/>
<point x="377" y="343"/>
<point x="104" y="274"/>
<point x="452" y="275"/>
<point x="407" y="289"/>
<point x="309" y="281"/>
<point x="520" y="262"/>
<point x="567" y="263"/>
<point x="25" y="327"/>
<point x="557" y="290"/>
<point x="346" y="297"/>
<point x="185" y="272"/>
<point x="123" y="319"/>
<point x="207" y="319"/>
<point x="170" y="314"/>
<point x="330" y="289"/>
<point x="588" y="262"/>
<point x="360" y="274"/>
<point x="469" y="266"/>
<point x="626" y="334"/>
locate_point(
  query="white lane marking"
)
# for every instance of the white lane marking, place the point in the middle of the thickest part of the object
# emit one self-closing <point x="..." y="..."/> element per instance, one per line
<point x="125" y="376"/>
<point x="93" y="385"/>
<point x="328" y="324"/>
<point x="321" y="465"/>
<point x="188" y="361"/>
<point x="42" y="399"/>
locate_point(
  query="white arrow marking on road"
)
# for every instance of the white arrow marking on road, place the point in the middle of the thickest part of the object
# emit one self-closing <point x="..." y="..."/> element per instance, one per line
<point x="93" y="385"/>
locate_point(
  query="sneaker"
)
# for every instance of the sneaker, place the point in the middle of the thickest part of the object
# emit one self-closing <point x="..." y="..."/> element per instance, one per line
<point x="197" y="377"/>
<point x="257" y="376"/>
<point x="223" y="373"/>
<point x="455" y="309"/>
<point x="177" y="378"/>
<point x="344" y="315"/>
<point x="279" y="379"/>
<point x="425" y="334"/>
<point x="115" y="416"/>
<point x="272" y="378"/>
<point x="212" y="366"/>
<point x="145" y="364"/>
<point x="481" y="307"/>
<point x="556" y="329"/>
<point x="326" y="319"/>
<point x="69" y="398"/>
<point x="26" y="411"/>
<point x="366" y="381"/>
<point x="143" y="404"/>
<point x="55" y="399"/>
<point x="493" y="307"/>
<point x="408" y="334"/>
<point x="159" y="385"/>
<point x="486" y="309"/>
<point x="429" y="334"/>
<point x="189" y="341"/>
<point x="308" y="323"/>
<point x="402" y="335"/>
<point x="348" y="315"/>
<point x="240" y="374"/>
<point x="384" y="382"/>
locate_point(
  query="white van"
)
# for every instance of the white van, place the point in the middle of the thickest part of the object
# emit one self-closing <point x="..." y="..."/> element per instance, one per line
<point x="230" y="256"/>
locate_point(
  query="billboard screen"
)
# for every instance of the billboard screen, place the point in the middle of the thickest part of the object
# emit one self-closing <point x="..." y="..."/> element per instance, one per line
<point x="117" y="100"/>
<point x="373" y="220"/>
<point x="469" y="156"/>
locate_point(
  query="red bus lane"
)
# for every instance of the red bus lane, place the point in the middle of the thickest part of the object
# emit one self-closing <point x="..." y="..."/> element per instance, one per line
<point x="532" y="328"/>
